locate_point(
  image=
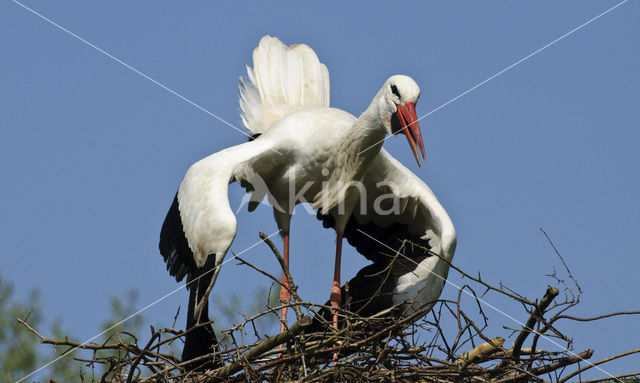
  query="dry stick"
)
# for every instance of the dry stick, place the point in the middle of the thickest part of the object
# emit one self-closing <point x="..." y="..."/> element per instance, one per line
<point x="256" y="268"/>
<point x="548" y="325"/>
<point x="179" y="334"/>
<point x="381" y="352"/>
<point x="139" y="357"/>
<point x="175" y="318"/>
<point x="470" y="324"/>
<point x="479" y="279"/>
<point x="293" y="289"/>
<point x="484" y="349"/>
<point x="72" y="344"/>
<point x="294" y="306"/>
<point x="534" y="343"/>
<point x="526" y="351"/>
<point x="549" y="367"/>
<point x="478" y="331"/>
<point x="597" y="317"/>
<point x="355" y="345"/>
<point x="529" y="374"/>
<point x="548" y="297"/>
<point x="402" y="372"/>
<point x="267" y="345"/>
<point x="237" y="348"/>
<point x="563" y="262"/>
<point x="97" y="347"/>
<point x="458" y="317"/>
<point x="612" y="377"/>
<point x="276" y="280"/>
<point x="290" y="286"/>
<point x="597" y="363"/>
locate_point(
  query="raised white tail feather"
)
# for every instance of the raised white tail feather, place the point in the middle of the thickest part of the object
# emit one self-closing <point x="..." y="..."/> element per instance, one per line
<point x="282" y="81"/>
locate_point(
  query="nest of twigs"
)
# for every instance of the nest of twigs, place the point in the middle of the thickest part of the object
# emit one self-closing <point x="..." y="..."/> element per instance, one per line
<point x="440" y="343"/>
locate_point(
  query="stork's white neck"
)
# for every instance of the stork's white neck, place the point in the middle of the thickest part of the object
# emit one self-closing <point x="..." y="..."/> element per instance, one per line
<point x="367" y="134"/>
<point x="355" y="152"/>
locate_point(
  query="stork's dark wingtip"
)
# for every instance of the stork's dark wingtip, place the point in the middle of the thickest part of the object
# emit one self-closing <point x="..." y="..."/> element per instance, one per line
<point x="200" y="338"/>
<point x="173" y="244"/>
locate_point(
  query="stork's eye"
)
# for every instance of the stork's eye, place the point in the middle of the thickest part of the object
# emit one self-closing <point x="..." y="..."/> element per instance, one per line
<point x="395" y="90"/>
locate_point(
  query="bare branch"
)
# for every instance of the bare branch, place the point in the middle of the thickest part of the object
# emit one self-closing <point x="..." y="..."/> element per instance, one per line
<point x="265" y="346"/>
<point x="548" y="297"/>
<point x="597" y="363"/>
<point x="398" y="344"/>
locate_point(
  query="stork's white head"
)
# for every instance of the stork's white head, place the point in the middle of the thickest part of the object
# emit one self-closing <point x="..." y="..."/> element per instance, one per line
<point x="397" y="107"/>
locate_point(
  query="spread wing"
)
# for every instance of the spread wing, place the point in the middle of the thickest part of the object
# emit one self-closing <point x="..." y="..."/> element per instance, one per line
<point x="395" y="206"/>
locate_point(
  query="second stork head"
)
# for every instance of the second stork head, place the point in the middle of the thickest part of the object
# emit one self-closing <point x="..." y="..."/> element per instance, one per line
<point x="397" y="108"/>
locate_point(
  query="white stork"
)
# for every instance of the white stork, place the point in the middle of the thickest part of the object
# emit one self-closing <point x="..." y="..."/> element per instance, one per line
<point x="304" y="151"/>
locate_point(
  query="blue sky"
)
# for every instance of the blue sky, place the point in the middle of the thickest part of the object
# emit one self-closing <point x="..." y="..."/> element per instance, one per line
<point x="91" y="153"/>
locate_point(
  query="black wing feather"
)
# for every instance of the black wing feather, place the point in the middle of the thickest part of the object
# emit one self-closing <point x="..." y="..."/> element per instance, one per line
<point x="174" y="246"/>
<point x="371" y="290"/>
<point x="179" y="259"/>
<point x="388" y="240"/>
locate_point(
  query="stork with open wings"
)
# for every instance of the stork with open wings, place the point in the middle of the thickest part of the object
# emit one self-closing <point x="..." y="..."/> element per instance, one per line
<point x="302" y="150"/>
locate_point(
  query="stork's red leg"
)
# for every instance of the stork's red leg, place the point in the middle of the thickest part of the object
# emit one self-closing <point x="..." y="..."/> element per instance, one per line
<point x="336" y="296"/>
<point x="285" y="295"/>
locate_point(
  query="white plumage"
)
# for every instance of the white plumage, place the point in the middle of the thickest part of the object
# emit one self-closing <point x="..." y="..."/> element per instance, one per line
<point x="282" y="81"/>
<point x="309" y="152"/>
<point x="424" y="218"/>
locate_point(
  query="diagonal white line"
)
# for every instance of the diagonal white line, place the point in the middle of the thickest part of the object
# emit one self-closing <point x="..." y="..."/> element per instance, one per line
<point x="489" y="305"/>
<point x="130" y="67"/>
<point x="508" y="68"/>
<point x="232" y="126"/>
<point x="142" y="309"/>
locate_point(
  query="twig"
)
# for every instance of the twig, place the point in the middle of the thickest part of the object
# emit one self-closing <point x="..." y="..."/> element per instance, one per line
<point x="479" y="280"/>
<point x="597" y="317"/>
<point x="265" y="346"/>
<point x="483" y="350"/>
<point x="563" y="262"/>
<point x="608" y="378"/>
<point x="548" y="297"/>
<point x="175" y="318"/>
<point x="139" y="357"/>
<point x="72" y="344"/>
<point x="597" y="363"/>
<point x="549" y="367"/>
<point x="292" y="288"/>
<point x="388" y="346"/>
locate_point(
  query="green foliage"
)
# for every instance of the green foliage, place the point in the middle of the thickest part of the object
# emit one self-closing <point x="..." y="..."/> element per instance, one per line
<point x="20" y="349"/>
<point x="121" y="310"/>
<point x="18" y="355"/>
<point x="21" y="352"/>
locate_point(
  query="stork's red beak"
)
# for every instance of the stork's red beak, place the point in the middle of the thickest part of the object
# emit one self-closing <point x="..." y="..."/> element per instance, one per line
<point x="407" y="116"/>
